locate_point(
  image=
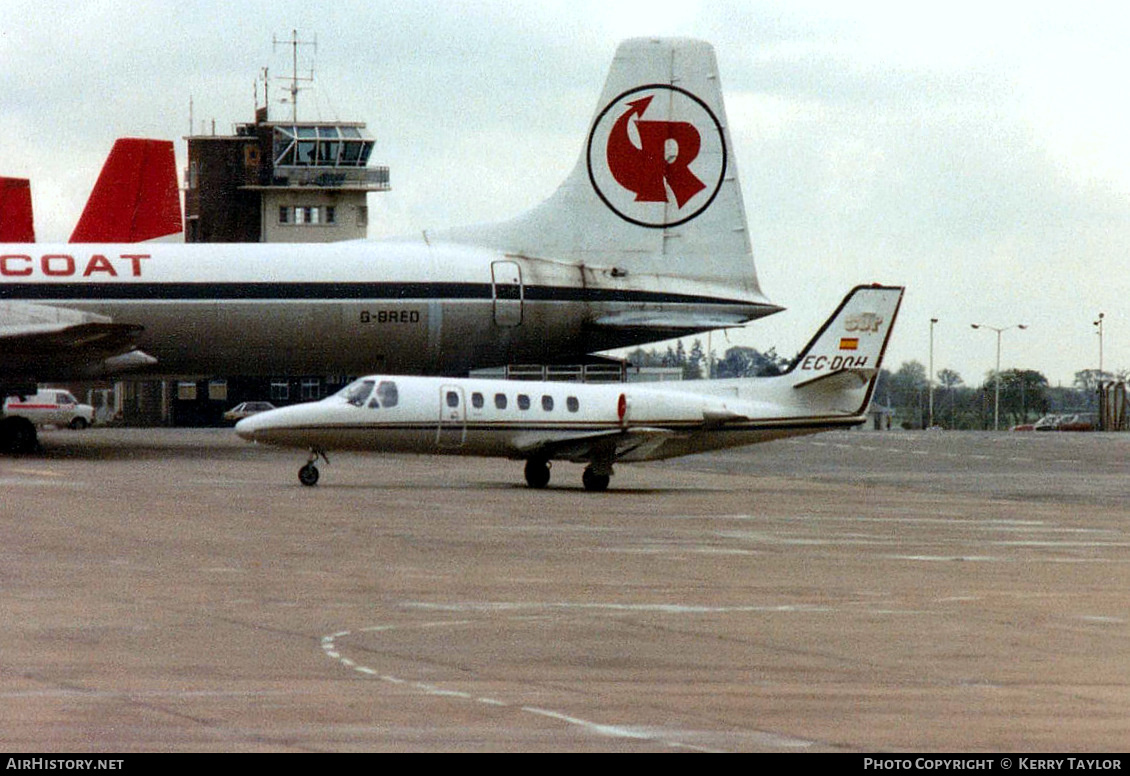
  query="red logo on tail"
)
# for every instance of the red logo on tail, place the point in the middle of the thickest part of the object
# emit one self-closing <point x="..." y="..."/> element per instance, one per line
<point x="644" y="170"/>
<point x="660" y="171"/>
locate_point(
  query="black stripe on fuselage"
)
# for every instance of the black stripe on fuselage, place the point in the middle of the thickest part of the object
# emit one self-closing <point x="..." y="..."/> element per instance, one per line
<point x="582" y="428"/>
<point x="325" y="291"/>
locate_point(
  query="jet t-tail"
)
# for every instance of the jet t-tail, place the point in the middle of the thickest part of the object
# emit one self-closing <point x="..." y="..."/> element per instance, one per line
<point x="828" y="386"/>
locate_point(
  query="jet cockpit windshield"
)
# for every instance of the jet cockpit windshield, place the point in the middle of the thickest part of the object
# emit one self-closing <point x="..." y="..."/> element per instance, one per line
<point x="357" y="392"/>
<point x="360" y="391"/>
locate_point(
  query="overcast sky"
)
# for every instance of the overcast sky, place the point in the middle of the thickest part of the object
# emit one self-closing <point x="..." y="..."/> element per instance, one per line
<point x="975" y="152"/>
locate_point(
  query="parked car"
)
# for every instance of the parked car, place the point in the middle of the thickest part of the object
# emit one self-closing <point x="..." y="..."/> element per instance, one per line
<point x="51" y="407"/>
<point x="1083" y="421"/>
<point x="247" y="409"/>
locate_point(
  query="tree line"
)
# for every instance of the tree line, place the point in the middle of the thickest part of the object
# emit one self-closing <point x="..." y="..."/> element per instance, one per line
<point x="1025" y="394"/>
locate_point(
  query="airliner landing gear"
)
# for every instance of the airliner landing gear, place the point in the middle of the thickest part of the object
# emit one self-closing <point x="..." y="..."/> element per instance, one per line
<point x="18" y="436"/>
<point x="593" y="481"/>
<point x="537" y="473"/>
<point x="308" y="474"/>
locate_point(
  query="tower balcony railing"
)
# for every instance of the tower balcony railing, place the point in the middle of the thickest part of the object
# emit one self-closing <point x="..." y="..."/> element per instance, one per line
<point x="369" y="178"/>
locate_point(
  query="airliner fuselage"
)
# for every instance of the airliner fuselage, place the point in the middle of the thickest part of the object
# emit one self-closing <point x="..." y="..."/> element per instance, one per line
<point x="402" y="306"/>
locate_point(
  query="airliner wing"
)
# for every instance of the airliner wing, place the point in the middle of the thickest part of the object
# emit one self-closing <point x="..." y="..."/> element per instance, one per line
<point x="610" y="445"/>
<point x="32" y="336"/>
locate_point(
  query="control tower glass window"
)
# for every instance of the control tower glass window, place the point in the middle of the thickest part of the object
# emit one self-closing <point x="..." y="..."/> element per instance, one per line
<point x="323" y="145"/>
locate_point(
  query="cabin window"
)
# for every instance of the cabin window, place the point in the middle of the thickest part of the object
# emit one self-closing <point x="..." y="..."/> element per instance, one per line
<point x="547" y="403"/>
<point x="572" y="404"/>
<point x="452" y="399"/>
<point x="523" y="401"/>
<point x="388" y="394"/>
<point x="500" y="401"/>
<point x="477" y="400"/>
<point x="357" y="392"/>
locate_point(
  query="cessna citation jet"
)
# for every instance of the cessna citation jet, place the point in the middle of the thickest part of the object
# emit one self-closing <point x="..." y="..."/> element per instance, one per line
<point x="645" y="240"/>
<point x="828" y="386"/>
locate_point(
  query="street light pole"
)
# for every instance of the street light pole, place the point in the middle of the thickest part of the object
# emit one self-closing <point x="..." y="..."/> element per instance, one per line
<point x="931" y="375"/>
<point x="997" y="398"/>
<point x="1099" y="323"/>
<point x="1102" y="422"/>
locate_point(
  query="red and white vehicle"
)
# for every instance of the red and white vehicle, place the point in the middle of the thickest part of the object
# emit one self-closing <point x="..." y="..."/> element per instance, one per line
<point x="50" y="407"/>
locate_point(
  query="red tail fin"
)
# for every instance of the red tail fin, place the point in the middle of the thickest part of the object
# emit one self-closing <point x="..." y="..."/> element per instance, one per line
<point x="16" y="223"/>
<point x="136" y="196"/>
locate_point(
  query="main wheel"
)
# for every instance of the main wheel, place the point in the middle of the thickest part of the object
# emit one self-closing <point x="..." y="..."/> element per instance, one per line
<point x="593" y="481"/>
<point x="308" y="475"/>
<point x="537" y="473"/>
<point x="18" y="436"/>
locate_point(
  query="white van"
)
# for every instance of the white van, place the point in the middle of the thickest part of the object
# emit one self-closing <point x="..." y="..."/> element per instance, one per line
<point x="51" y="407"/>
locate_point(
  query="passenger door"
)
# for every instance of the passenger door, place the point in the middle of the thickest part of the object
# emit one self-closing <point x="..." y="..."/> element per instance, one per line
<point x="452" y="431"/>
<point x="508" y="292"/>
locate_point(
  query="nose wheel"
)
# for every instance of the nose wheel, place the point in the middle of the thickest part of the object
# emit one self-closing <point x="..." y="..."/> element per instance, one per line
<point x="308" y="474"/>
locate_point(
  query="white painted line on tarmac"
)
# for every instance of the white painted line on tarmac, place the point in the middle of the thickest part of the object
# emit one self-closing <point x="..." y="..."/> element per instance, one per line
<point x="665" y="738"/>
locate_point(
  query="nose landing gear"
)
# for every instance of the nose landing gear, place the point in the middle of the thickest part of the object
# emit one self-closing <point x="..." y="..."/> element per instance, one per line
<point x="308" y="474"/>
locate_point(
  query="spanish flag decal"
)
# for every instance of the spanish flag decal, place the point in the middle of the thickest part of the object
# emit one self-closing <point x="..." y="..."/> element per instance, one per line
<point x="849" y="343"/>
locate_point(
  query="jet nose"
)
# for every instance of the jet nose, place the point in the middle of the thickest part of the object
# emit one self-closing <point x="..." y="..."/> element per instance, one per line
<point x="248" y="427"/>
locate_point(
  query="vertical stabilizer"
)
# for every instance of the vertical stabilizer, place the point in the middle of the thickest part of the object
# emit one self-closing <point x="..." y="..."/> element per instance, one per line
<point x="16" y="221"/>
<point x="655" y="189"/>
<point x="836" y="371"/>
<point x="136" y="197"/>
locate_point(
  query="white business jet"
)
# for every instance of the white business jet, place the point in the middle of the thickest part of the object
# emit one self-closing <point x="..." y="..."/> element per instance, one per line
<point x="828" y="386"/>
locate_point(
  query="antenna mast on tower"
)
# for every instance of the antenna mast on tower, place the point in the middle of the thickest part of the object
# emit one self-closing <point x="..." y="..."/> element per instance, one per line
<point x="294" y="43"/>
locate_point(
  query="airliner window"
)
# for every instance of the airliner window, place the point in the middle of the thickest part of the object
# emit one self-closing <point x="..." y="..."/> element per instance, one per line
<point x="477" y="400"/>
<point x="547" y="403"/>
<point x="500" y="401"/>
<point x="523" y="401"/>
<point x="452" y="399"/>
<point x="388" y="393"/>
<point x="572" y="404"/>
<point x="357" y="392"/>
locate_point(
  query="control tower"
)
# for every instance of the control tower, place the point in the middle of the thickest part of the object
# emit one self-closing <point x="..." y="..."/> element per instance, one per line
<point x="281" y="181"/>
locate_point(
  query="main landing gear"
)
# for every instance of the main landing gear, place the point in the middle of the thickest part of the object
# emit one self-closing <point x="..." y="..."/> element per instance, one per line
<point x="595" y="478"/>
<point x="537" y="473"/>
<point x="308" y="474"/>
<point x="595" y="482"/>
<point x="18" y="436"/>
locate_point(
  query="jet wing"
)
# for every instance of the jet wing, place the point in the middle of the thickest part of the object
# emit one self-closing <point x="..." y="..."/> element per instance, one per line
<point x="37" y="339"/>
<point x="611" y="445"/>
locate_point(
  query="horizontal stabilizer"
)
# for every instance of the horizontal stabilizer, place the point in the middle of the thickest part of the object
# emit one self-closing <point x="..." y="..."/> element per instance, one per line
<point x="842" y="380"/>
<point x="669" y="321"/>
